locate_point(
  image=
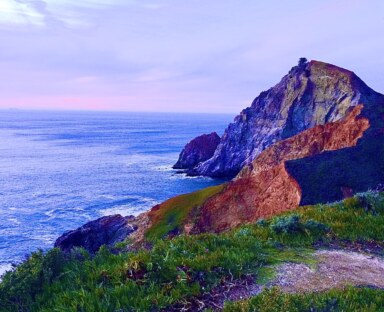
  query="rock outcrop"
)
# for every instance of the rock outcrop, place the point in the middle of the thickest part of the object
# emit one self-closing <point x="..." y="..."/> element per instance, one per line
<point x="267" y="187"/>
<point x="339" y="154"/>
<point x="107" y="230"/>
<point x="312" y="94"/>
<point x="198" y="150"/>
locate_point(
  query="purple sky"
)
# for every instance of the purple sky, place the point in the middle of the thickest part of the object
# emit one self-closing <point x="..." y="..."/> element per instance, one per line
<point x="168" y="55"/>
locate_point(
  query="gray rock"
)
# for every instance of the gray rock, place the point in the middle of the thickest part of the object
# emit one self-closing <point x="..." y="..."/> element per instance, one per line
<point x="198" y="150"/>
<point x="107" y="230"/>
<point x="312" y="94"/>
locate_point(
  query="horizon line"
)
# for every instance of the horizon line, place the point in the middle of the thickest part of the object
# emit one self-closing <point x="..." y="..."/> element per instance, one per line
<point x="15" y="109"/>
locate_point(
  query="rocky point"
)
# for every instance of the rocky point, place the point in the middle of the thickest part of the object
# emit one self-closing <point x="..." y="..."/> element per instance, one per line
<point x="198" y="150"/>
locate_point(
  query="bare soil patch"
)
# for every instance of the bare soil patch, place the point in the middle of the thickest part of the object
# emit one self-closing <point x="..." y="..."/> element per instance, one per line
<point x="335" y="269"/>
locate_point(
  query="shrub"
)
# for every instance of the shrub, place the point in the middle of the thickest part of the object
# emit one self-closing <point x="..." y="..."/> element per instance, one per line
<point x="302" y="61"/>
<point x="261" y="222"/>
<point x="315" y="226"/>
<point x="287" y="225"/>
<point x="292" y="224"/>
<point x="243" y="232"/>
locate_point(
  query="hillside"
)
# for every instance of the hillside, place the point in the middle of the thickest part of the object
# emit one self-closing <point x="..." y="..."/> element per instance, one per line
<point x="195" y="273"/>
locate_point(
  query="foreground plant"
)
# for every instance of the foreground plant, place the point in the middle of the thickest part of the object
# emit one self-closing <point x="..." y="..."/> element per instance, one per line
<point x="180" y="269"/>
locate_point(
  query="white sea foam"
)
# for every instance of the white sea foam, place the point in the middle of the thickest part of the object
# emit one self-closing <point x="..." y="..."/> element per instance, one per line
<point x="165" y="168"/>
<point x="14" y="221"/>
<point x="50" y="213"/>
<point x="140" y="205"/>
<point x="182" y="176"/>
<point x="4" y="268"/>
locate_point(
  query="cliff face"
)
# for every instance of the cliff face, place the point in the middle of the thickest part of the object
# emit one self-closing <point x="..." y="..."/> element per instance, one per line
<point x="313" y="94"/>
<point x="198" y="150"/>
<point x="268" y="186"/>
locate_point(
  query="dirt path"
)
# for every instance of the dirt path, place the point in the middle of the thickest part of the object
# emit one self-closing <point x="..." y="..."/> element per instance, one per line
<point x="335" y="269"/>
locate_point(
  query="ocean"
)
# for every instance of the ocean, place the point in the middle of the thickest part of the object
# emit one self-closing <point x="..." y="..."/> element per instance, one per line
<point x="59" y="170"/>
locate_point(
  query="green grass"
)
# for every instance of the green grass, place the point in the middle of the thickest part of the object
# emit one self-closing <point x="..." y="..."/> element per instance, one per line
<point x="171" y="215"/>
<point x="350" y="299"/>
<point x="186" y="266"/>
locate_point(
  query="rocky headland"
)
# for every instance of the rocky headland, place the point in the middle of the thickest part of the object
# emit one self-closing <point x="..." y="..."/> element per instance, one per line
<point x="198" y="150"/>
<point x="315" y="137"/>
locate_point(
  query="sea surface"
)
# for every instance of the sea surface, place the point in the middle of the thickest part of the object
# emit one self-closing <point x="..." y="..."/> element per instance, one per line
<point x="59" y="170"/>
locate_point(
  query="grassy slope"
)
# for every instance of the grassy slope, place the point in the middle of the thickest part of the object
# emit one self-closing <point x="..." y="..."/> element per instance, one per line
<point x="171" y="215"/>
<point x="185" y="266"/>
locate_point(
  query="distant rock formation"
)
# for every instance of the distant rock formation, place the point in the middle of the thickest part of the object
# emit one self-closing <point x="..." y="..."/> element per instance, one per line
<point x="312" y="94"/>
<point x="107" y="230"/>
<point x="198" y="150"/>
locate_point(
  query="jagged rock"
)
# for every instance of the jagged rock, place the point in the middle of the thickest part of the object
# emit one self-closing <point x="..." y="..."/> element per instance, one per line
<point x="267" y="187"/>
<point x="311" y="94"/>
<point x="340" y="154"/>
<point x="107" y="230"/>
<point x="197" y="151"/>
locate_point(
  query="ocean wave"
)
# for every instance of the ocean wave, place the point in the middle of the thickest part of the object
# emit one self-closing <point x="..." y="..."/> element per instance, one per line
<point x="165" y="168"/>
<point x="4" y="267"/>
<point x="184" y="176"/>
<point x="14" y="221"/>
<point x="130" y="205"/>
<point x="50" y="213"/>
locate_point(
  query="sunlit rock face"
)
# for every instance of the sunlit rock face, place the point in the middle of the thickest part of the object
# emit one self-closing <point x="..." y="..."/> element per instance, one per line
<point x="312" y="94"/>
<point x="268" y="186"/>
<point x="336" y="153"/>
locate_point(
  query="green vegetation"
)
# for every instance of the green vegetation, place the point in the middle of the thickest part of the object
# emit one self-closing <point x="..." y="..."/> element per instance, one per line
<point x="187" y="266"/>
<point x="171" y="215"/>
<point x="350" y="299"/>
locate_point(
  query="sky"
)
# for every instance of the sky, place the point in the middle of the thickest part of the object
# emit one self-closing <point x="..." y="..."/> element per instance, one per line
<point x="204" y="56"/>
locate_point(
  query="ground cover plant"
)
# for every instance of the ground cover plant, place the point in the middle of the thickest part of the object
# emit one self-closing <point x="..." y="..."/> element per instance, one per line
<point x="183" y="267"/>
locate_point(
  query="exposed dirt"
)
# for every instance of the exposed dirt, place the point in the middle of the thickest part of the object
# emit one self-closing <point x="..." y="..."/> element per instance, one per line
<point x="370" y="247"/>
<point x="335" y="269"/>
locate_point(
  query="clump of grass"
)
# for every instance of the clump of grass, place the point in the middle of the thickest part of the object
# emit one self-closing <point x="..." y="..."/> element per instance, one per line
<point x="348" y="219"/>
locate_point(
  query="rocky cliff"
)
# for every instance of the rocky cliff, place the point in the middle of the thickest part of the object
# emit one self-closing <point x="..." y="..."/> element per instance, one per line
<point x="277" y="181"/>
<point x="198" y="150"/>
<point x="311" y="94"/>
<point x="337" y="151"/>
<point x="316" y="137"/>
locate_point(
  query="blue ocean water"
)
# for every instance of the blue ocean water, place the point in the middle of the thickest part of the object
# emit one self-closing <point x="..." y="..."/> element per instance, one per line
<point x="59" y="170"/>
